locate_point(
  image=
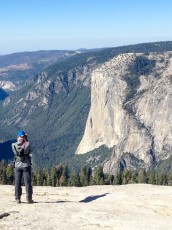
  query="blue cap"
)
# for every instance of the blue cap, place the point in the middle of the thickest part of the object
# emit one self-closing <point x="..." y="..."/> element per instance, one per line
<point x="21" y="133"/>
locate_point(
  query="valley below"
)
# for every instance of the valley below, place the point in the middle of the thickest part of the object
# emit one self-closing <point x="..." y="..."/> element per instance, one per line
<point x="125" y="207"/>
<point x="109" y="107"/>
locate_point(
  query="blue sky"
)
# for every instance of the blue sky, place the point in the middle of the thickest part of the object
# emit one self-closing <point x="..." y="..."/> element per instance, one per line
<point x="29" y="25"/>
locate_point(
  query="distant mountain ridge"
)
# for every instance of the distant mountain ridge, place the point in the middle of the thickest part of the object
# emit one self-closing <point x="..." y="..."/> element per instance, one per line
<point x="18" y="67"/>
<point x="53" y="107"/>
<point x="30" y="57"/>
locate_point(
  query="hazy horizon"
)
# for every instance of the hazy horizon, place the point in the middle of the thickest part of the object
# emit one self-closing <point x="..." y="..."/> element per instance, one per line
<point x="71" y="25"/>
<point x="29" y="51"/>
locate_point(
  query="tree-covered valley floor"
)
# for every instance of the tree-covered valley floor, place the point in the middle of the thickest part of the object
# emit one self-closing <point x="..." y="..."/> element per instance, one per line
<point x="118" y="207"/>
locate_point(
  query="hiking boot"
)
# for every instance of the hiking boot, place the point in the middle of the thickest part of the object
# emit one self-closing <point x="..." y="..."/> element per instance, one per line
<point x="18" y="201"/>
<point x="29" y="201"/>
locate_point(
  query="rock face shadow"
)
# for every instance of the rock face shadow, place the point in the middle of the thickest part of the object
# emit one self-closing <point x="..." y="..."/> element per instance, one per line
<point x="92" y="198"/>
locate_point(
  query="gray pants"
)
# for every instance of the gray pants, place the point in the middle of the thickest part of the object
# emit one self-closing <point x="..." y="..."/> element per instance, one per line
<point x="26" y="172"/>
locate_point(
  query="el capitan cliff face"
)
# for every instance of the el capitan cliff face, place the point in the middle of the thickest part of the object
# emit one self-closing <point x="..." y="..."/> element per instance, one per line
<point x="131" y="105"/>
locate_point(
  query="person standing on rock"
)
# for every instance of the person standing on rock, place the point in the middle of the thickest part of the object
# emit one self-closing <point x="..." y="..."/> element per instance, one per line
<point x="22" y="152"/>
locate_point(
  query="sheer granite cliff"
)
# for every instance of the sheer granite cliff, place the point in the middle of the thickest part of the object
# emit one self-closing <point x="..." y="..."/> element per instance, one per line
<point x="131" y="110"/>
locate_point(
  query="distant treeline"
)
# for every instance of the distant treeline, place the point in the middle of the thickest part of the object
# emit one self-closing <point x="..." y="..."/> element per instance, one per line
<point x="60" y="176"/>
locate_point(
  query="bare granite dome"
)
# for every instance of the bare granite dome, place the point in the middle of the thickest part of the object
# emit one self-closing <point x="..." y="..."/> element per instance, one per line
<point x="129" y="207"/>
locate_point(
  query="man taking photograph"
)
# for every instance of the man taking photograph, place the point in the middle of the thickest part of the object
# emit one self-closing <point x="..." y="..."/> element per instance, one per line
<point x="22" y="152"/>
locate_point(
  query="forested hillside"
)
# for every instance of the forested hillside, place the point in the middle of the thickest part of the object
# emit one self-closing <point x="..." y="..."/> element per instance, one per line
<point x="53" y="106"/>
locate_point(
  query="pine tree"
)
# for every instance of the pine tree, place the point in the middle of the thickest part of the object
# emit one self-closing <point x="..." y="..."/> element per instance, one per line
<point x="48" y="178"/>
<point x="59" y="170"/>
<point x="118" y="178"/>
<point x="157" y="178"/>
<point x="1" y="172"/>
<point x="10" y="174"/>
<point x="162" y="179"/>
<point x="126" y="176"/>
<point x="90" y="177"/>
<point x="3" y="179"/>
<point x="74" y="179"/>
<point x="99" y="175"/>
<point x="53" y="176"/>
<point x="142" y="176"/>
<point x="152" y="177"/>
<point x="109" y="179"/>
<point x="135" y="177"/>
<point x="169" y="178"/>
<point x="39" y="178"/>
<point x="62" y="181"/>
<point x="65" y="176"/>
<point x="84" y="180"/>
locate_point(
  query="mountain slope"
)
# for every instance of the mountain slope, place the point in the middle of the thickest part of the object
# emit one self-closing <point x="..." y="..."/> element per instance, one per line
<point x="18" y="67"/>
<point x="131" y="110"/>
<point x="57" y="105"/>
<point x="54" y="107"/>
